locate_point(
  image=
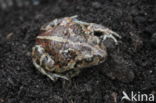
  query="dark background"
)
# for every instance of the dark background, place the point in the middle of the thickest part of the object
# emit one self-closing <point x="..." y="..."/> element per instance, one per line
<point x="131" y="66"/>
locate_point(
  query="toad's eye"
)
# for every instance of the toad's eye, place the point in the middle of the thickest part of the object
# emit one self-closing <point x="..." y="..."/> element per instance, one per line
<point x="96" y="33"/>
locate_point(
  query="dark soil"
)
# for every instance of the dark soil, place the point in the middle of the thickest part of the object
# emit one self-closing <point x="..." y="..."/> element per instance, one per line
<point x="131" y="66"/>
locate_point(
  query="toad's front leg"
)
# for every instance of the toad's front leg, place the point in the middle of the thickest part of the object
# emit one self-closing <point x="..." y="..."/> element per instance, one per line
<point x="92" y="27"/>
<point x="106" y="32"/>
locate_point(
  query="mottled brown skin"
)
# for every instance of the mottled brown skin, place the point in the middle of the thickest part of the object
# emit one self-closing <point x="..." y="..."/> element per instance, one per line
<point x="70" y="45"/>
<point x="54" y="47"/>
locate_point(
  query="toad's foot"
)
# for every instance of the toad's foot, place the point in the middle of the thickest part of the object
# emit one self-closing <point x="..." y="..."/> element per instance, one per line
<point x="72" y="73"/>
<point x="56" y="76"/>
<point x="52" y="76"/>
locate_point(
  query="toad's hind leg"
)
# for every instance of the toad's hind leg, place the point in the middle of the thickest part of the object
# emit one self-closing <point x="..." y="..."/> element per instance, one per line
<point x="52" y="76"/>
<point x="72" y="73"/>
<point x="106" y="32"/>
<point x="44" y="63"/>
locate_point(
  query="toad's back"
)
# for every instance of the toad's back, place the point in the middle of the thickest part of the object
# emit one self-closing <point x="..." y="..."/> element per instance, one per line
<point x="62" y="38"/>
<point x="66" y="42"/>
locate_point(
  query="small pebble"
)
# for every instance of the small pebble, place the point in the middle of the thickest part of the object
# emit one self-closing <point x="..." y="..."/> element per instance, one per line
<point x="28" y="54"/>
<point x="1" y="100"/>
<point x="151" y="28"/>
<point x="96" y="5"/>
<point x="153" y="40"/>
<point x="9" y="36"/>
<point x="114" y="95"/>
<point x="139" y="19"/>
<point x="136" y="41"/>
